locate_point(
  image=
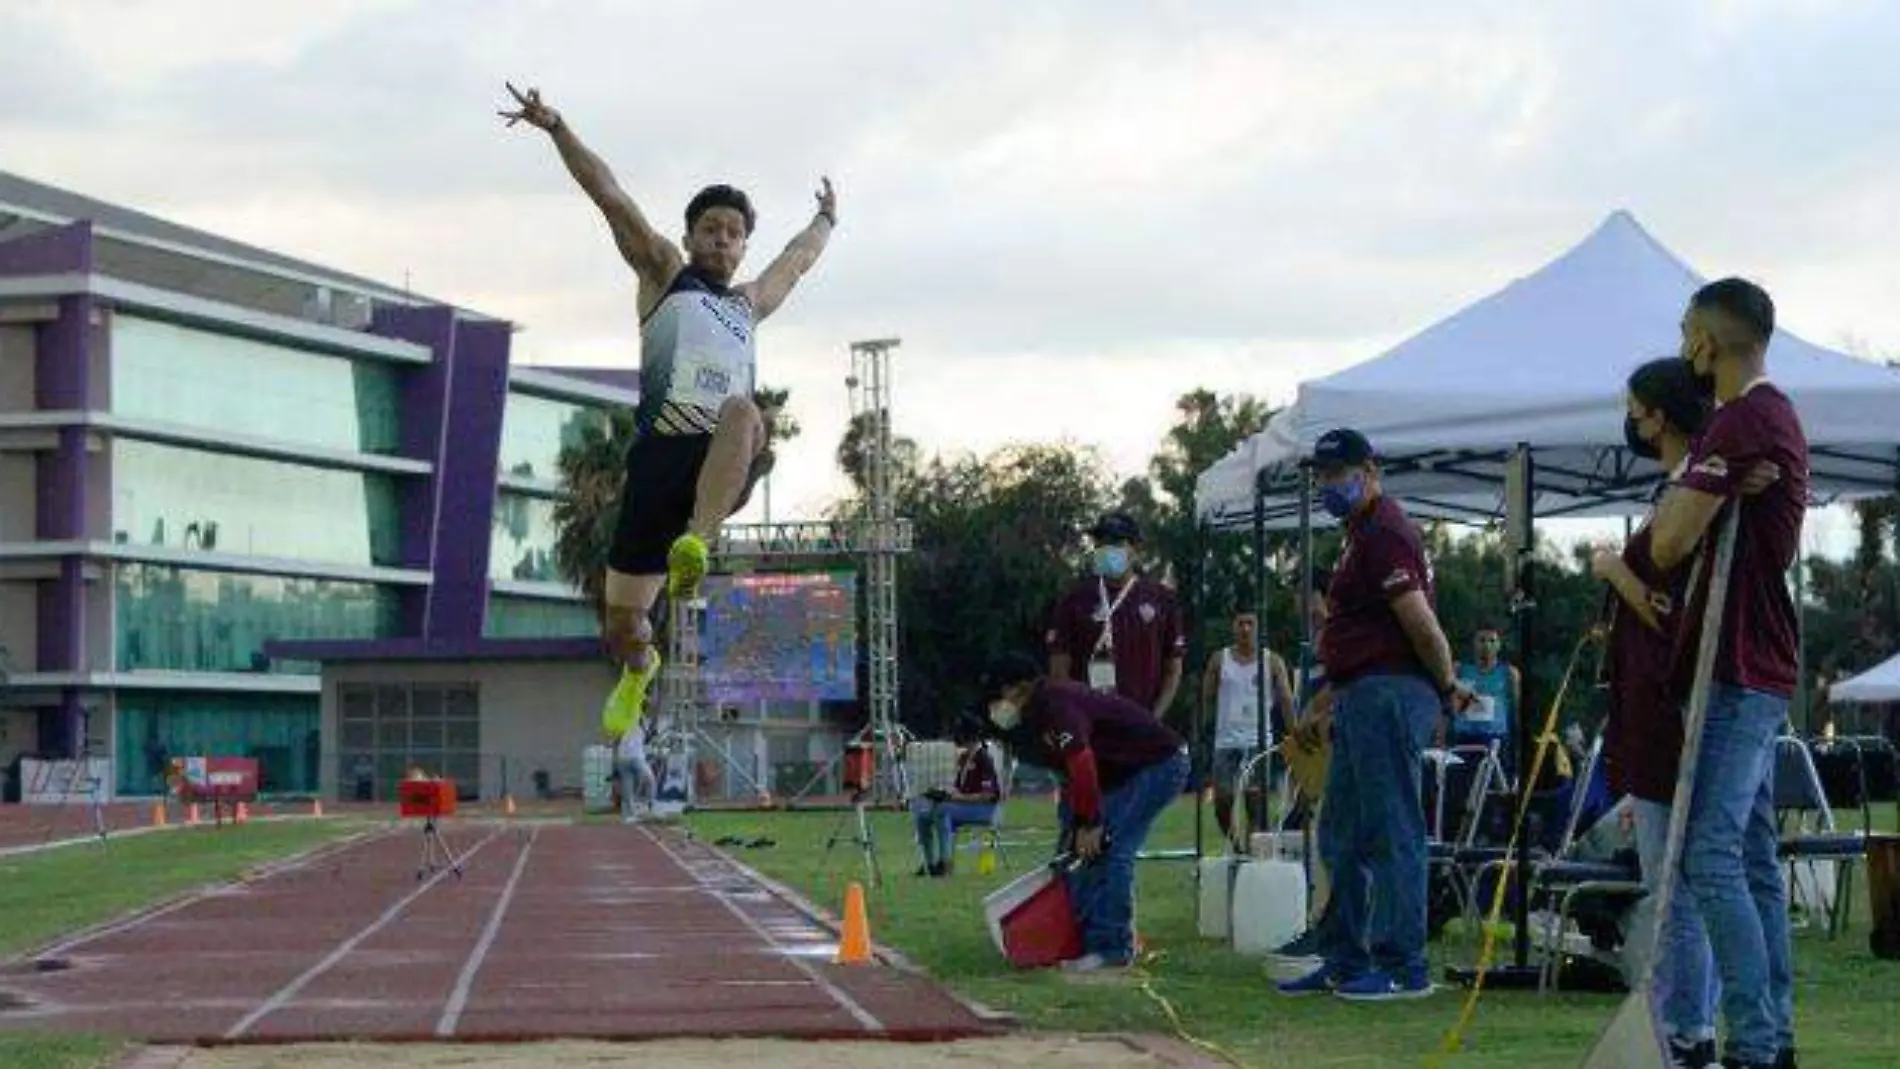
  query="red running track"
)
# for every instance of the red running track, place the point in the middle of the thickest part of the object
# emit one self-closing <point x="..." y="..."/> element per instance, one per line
<point x="554" y="930"/>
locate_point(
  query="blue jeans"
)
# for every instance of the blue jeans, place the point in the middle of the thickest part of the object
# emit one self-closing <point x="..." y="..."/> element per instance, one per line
<point x="1103" y="891"/>
<point x="1373" y="833"/>
<point x="1729" y="866"/>
<point x="1685" y="988"/>
<point x="937" y="823"/>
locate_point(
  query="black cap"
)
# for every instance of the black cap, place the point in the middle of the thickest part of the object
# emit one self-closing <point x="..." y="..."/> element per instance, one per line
<point x="1008" y="669"/>
<point x="1116" y="527"/>
<point x="1341" y="447"/>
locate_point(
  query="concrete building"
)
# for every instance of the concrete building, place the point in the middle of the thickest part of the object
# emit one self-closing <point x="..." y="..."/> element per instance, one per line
<point x="252" y="506"/>
<point x="206" y="447"/>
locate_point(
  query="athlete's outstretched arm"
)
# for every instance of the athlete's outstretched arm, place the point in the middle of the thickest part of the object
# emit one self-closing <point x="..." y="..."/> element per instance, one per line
<point x="651" y="256"/>
<point x="775" y="283"/>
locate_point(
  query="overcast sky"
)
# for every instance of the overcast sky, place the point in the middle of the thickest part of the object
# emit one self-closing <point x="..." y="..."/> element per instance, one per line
<point x="1070" y="210"/>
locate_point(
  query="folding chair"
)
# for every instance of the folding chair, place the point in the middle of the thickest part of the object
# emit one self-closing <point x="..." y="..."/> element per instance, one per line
<point x="1799" y="795"/>
<point x="1567" y="878"/>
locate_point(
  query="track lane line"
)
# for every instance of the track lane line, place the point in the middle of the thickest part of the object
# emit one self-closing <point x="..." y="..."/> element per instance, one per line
<point x="458" y="999"/>
<point x="291" y="989"/>
<point x="846" y="1002"/>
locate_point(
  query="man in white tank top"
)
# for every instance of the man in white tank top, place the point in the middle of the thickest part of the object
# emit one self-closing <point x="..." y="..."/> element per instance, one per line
<point x="700" y="433"/>
<point x="1229" y="686"/>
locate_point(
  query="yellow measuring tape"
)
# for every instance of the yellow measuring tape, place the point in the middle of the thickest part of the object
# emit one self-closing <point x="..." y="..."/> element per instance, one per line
<point x="1454" y="1039"/>
<point x="1174" y="1019"/>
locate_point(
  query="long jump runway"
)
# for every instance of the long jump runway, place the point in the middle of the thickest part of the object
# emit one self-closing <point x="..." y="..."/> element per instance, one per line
<point x="554" y="930"/>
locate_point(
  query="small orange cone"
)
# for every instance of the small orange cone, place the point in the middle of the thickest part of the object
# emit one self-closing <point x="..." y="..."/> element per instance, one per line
<point x="158" y="814"/>
<point x="243" y="812"/>
<point x="316" y="807"/>
<point x="191" y="813"/>
<point x="508" y="804"/>
<point x="855" y="947"/>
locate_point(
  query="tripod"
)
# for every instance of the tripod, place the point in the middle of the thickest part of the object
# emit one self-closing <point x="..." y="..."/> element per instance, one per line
<point x="434" y="847"/>
<point x="867" y="844"/>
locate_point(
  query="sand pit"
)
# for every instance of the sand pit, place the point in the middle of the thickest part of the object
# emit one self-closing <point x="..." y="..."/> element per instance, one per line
<point x="1015" y="1052"/>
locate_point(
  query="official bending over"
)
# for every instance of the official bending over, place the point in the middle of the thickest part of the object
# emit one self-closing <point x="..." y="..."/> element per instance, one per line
<point x="1729" y="855"/>
<point x="1120" y="767"/>
<point x="700" y="437"/>
<point x="1390" y="670"/>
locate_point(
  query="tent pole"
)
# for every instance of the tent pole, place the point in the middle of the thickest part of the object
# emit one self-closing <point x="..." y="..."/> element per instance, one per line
<point x="1525" y="606"/>
<point x="1260" y="632"/>
<point x="1201" y="732"/>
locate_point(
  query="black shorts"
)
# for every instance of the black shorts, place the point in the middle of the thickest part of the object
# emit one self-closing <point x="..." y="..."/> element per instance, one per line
<point x="656" y="504"/>
<point x="657" y="501"/>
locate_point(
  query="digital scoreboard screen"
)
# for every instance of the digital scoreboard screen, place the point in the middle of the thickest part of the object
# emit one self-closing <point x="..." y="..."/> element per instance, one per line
<point x="780" y="638"/>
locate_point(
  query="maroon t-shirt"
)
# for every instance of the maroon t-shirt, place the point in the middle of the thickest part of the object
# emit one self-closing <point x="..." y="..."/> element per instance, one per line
<point x="976" y="773"/>
<point x="1062" y="718"/>
<point x="1642" y="742"/>
<point x="1760" y="645"/>
<point x="1148" y="632"/>
<point x="1383" y="558"/>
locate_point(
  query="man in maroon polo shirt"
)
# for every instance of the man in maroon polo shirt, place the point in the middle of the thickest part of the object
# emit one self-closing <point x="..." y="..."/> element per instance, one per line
<point x="1729" y="855"/>
<point x="1118" y="630"/>
<point x="1391" y="673"/>
<point x="1120" y="767"/>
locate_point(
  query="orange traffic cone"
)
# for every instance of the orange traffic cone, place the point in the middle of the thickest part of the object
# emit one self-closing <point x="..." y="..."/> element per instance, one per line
<point x="508" y="804"/>
<point x="243" y="812"/>
<point x="191" y="813"/>
<point x="316" y="807"/>
<point x="855" y="947"/>
<point x="158" y="814"/>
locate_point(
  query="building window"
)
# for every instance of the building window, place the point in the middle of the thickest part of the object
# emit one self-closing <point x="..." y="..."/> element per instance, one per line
<point x="510" y="617"/>
<point x="281" y="731"/>
<point x="534" y="430"/>
<point x="169" y="496"/>
<point x="521" y="544"/>
<point x="386" y="729"/>
<point x="240" y="386"/>
<point x="188" y="620"/>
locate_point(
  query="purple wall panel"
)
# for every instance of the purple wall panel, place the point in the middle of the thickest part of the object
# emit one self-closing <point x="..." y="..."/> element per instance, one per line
<point x="59" y="250"/>
<point x="477" y="398"/>
<point x="424" y="406"/>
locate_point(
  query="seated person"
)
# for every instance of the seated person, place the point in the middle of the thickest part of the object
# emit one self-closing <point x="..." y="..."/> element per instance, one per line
<point x="1119" y="766"/>
<point x="971" y="799"/>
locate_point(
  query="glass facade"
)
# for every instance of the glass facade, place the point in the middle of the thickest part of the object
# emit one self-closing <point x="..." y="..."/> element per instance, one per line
<point x="534" y="430"/>
<point x="189" y="620"/>
<point x="510" y="617"/>
<point x="385" y="729"/>
<point x="241" y="386"/>
<point x="521" y="542"/>
<point x="169" y="496"/>
<point x="282" y="731"/>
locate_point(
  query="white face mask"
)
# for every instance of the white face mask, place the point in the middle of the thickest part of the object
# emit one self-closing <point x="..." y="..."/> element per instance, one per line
<point x="1004" y="714"/>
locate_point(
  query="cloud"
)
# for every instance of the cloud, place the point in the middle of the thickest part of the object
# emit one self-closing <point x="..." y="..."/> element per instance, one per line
<point x="1072" y="211"/>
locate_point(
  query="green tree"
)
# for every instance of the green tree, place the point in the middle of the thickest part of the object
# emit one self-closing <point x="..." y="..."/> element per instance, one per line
<point x="995" y="541"/>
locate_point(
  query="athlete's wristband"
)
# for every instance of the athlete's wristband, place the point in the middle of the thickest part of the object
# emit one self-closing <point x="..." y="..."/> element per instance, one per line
<point x="829" y="218"/>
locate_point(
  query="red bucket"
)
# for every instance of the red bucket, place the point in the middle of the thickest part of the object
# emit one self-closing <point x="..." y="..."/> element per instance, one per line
<point x="1033" y="922"/>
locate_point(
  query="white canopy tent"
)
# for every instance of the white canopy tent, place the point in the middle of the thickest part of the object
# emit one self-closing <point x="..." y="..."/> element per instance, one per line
<point x="1542" y="363"/>
<point x="1881" y="683"/>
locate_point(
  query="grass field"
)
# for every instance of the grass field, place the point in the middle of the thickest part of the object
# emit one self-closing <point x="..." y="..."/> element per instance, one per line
<point x="1847" y="1000"/>
<point x="46" y="894"/>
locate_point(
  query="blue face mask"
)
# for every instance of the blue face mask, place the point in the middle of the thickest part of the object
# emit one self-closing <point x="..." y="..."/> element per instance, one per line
<point x="1340" y="500"/>
<point x="1111" y="562"/>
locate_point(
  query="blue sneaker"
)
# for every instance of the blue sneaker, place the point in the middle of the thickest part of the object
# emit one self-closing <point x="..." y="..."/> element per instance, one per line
<point x="1320" y="981"/>
<point x="1381" y="986"/>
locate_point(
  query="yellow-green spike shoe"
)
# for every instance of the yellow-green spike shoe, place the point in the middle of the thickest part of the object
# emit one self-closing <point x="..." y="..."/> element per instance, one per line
<point x="686" y="565"/>
<point x="628" y="701"/>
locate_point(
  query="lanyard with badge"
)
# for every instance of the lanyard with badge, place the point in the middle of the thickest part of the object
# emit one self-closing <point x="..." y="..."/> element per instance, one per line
<point x="1102" y="660"/>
